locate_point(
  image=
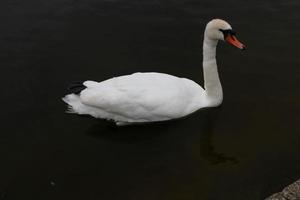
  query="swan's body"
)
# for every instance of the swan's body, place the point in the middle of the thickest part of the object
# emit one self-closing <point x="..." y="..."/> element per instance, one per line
<point x="140" y="97"/>
<point x="151" y="97"/>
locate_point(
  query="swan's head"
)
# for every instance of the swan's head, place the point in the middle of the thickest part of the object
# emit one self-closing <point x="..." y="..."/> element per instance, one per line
<point x="218" y="29"/>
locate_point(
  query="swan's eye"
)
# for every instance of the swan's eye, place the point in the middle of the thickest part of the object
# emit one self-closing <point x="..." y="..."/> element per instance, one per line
<point x="227" y="32"/>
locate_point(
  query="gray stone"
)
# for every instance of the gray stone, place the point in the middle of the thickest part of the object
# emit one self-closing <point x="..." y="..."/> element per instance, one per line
<point x="291" y="192"/>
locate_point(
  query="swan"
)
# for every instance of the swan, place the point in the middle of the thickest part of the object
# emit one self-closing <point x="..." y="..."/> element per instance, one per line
<point x="151" y="96"/>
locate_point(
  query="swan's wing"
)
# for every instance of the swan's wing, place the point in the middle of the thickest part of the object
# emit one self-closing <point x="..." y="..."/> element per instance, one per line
<point x="139" y="96"/>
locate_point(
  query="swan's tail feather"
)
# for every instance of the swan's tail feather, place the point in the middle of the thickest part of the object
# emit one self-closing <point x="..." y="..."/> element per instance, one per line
<point x="75" y="105"/>
<point x="70" y="109"/>
<point x="72" y="100"/>
<point x="76" y="88"/>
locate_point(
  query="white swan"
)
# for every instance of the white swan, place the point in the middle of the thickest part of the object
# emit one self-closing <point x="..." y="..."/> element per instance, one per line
<point x="151" y="97"/>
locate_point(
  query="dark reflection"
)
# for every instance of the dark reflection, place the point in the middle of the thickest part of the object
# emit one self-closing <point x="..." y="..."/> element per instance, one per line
<point x="130" y="133"/>
<point x="207" y="148"/>
<point x="201" y="138"/>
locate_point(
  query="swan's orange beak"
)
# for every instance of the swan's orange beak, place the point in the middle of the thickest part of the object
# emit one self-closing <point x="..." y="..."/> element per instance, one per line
<point x="231" y="39"/>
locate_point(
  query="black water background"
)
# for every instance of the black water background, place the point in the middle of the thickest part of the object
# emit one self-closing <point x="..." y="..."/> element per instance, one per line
<point x="246" y="149"/>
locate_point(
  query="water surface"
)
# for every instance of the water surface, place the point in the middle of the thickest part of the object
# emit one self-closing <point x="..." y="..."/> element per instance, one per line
<point x="246" y="149"/>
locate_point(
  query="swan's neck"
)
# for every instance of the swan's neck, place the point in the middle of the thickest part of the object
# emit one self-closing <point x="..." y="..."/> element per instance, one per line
<point x="212" y="83"/>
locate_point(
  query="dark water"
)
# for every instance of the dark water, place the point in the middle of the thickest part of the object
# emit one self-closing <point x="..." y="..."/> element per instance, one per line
<point x="246" y="149"/>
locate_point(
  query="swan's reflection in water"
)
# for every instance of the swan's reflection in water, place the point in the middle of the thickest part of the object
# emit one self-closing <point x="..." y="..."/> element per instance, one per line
<point x="194" y="134"/>
<point x="207" y="148"/>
